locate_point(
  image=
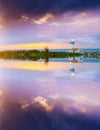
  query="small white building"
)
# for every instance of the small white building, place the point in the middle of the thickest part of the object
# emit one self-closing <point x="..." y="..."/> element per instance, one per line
<point x="76" y="50"/>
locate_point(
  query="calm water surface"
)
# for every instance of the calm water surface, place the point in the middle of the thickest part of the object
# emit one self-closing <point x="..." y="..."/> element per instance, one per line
<point x="49" y="96"/>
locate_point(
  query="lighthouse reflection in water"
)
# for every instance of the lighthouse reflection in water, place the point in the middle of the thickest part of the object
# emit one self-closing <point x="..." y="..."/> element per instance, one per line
<point x="59" y="95"/>
<point x="74" y="60"/>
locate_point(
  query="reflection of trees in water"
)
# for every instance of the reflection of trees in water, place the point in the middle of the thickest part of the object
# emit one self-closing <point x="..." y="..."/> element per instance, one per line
<point x="35" y="55"/>
<point x="46" y="61"/>
<point x="46" y="55"/>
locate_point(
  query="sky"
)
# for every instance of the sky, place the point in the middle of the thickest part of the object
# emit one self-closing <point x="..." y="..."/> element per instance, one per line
<point x="36" y="24"/>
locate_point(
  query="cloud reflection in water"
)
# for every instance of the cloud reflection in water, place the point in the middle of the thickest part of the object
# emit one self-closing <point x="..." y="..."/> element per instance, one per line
<point x="47" y="97"/>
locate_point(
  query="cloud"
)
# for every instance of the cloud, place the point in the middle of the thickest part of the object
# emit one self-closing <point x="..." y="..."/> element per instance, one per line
<point x="43" y="19"/>
<point x="13" y="9"/>
<point x="54" y="24"/>
<point x="39" y="20"/>
<point x="43" y="102"/>
<point x="56" y="20"/>
<point x="36" y="118"/>
<point x="24" y="18"/>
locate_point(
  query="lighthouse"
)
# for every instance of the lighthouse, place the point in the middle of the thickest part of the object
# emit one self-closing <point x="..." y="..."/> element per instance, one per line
<point x="72" y="48"/>
<point x="72" y="43"/>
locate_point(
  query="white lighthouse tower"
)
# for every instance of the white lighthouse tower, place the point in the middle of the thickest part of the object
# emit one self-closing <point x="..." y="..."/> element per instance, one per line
<point x="72" y="48"/>
<point x="72" y="43"/>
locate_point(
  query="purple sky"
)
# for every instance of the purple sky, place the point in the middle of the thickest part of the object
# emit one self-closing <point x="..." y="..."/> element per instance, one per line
<point x="49" y="28"/>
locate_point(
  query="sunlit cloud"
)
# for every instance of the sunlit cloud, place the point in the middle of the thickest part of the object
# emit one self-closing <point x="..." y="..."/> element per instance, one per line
<point x="43" y="19"/>
<point x="43" y="102"/>
<point x="24" y="18"/>
<point x="53" y="29"/>
<point x="25" y="105"/>
<point x="35" y="20"/>
<point x="81" y="18"/>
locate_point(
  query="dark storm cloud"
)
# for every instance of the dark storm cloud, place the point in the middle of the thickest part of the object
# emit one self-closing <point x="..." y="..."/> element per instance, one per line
<point x="12" y="9"/>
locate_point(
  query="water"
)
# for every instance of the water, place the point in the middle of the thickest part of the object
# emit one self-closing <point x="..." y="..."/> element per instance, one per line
<point x="56" y="95"/>
<point x="67" y="50"/>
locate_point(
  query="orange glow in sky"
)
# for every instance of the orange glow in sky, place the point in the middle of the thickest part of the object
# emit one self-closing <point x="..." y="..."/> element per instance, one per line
<point x="35" y="46"/>
<point x="1" y="26"/>
<point x="1" y="93"/>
